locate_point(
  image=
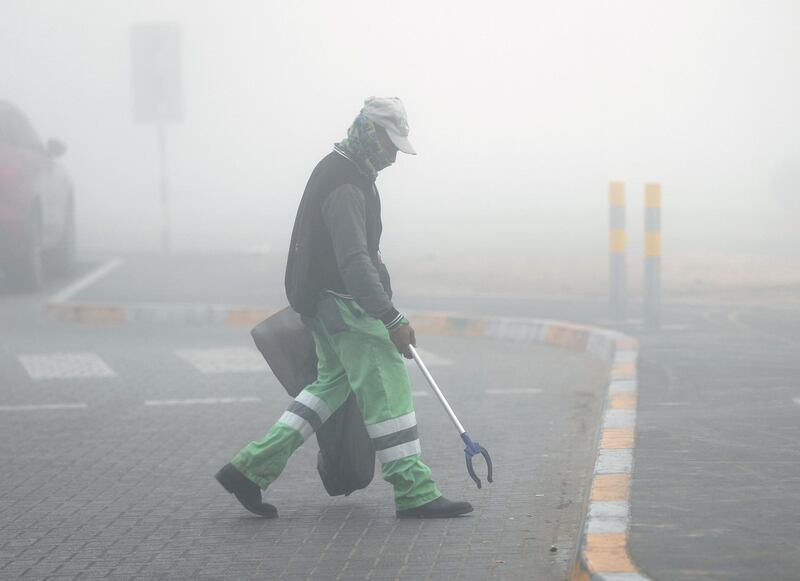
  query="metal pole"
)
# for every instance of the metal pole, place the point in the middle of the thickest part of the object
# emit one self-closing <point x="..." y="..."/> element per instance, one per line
<point x="652" y="259"/>
<point x="435" y="387"/>
<point x="616" y="248"/>
<point x="162" y="163"/>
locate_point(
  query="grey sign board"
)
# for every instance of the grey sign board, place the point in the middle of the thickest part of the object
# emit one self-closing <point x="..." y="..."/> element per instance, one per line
<point x="156" y="67"/>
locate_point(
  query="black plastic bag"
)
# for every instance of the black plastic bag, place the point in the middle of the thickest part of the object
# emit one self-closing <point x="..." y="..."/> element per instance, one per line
<point x="346" y="458"/>
<point x="288" y="346"/>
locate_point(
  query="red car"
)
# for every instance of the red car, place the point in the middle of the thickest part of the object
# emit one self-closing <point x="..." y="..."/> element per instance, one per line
<point x="37" y="204"/>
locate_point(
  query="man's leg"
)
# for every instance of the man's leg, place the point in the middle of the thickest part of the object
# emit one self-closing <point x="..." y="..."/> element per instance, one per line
<point x="262" y="461"/>
<point x="378" y="376"/>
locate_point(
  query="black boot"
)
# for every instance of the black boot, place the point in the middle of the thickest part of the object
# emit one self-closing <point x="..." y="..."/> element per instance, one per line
<point x="246" y="492"/>
<point x="439" y="508"/>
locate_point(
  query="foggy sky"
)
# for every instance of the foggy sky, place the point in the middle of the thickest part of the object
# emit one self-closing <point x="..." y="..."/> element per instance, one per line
<point x="521" y="113"/>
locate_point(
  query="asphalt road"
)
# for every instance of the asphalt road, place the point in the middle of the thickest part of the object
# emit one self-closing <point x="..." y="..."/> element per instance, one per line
<point x="109" y="437"/>
<point x="716" y="491"/>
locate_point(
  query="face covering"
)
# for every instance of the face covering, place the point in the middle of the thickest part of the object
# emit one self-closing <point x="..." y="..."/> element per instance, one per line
<point x="363" y="147"/>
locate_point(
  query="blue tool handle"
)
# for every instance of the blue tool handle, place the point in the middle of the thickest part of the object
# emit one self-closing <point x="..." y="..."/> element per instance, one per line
<point x="472" y="449"/>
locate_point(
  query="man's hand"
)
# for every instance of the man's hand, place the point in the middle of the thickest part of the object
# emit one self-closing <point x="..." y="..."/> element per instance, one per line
<point x="402" y="336"/>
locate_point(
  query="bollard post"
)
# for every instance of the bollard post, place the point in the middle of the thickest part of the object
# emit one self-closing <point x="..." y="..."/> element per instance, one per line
<point x="616" y="249"/>
<point x="652" y="259"/>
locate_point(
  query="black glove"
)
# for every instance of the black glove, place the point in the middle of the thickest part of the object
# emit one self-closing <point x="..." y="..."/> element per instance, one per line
<point x="402" y="336"/>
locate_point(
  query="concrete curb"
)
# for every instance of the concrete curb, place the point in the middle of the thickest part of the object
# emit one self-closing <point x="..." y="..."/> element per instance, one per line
<point x="190" y="314"/>
<point x="602" y="551"/>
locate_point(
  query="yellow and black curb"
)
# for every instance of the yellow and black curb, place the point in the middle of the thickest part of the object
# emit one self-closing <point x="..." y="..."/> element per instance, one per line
<point x="602" y="551"/>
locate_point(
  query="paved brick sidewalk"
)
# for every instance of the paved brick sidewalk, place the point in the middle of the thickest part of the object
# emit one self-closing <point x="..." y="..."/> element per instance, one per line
<point x="124" y="491"/>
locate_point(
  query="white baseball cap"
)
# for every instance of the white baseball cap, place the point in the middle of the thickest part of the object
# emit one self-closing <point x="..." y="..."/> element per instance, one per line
<point x="389" y="113"/>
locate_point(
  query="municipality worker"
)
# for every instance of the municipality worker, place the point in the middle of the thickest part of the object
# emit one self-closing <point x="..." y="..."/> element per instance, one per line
<point x="335" y="278"/>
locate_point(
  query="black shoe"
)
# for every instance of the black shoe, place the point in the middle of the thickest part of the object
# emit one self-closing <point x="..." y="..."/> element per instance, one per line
<point x="246" y="492"/>
<point x="439" y="508"/>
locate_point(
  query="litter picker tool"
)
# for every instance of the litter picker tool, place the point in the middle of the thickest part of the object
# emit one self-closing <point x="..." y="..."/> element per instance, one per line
<point x="473" y="448"/>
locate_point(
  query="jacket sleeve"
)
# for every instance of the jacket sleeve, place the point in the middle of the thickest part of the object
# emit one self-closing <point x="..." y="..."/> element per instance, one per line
<point x="386" y="280"/>
<point x="344" y="214"/>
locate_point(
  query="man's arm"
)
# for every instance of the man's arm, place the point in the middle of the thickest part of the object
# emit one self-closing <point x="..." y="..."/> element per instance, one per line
<point x="344" y="214"/>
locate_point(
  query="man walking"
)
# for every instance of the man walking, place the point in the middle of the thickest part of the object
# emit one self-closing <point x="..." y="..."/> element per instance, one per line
<point x="335" y="278"/>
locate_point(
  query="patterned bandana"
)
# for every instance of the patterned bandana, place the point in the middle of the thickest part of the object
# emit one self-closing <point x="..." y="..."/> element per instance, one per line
<point x="364" y="148"/>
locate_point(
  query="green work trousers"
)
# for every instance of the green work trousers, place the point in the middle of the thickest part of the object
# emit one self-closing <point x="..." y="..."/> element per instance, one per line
<point x="354" y="353"/>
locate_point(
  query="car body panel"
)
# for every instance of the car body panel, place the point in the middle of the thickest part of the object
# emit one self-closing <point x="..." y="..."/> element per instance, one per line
<point x="31" y="180"/>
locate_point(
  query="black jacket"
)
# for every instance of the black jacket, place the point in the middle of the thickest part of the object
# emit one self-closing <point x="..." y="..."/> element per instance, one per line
<point x="335" y="244"/>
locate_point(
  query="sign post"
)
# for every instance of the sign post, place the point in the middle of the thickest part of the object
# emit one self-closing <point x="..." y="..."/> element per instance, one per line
<point x="158" y="94"/>
<point x="616" y="250"/>
<point x="652" y="260"/>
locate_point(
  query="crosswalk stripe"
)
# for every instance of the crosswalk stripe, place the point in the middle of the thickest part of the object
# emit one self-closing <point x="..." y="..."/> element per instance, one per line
<point x="71" y="365"/>
<point x="48" y="406"/>
<point x="224" y="359"/>
<point x="201" y="401"/>
<point x="65" y="366"/>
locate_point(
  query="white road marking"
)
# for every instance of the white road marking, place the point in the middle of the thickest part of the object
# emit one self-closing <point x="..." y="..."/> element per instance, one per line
<point x="420" y="393"/>
<point x="65" y="294"/>
<point x="613" y="461"/>
<point x="608" y="517"/>
<point x="619" y="419"/>
<point x="796" y="400"/>
<point x="640" y="323"/>
<point x="48" y="406"/>
<point x="627" y="356"/>
<point x="224" y="359"/>
<point x="201" y="401"/>
<point x="65" y="366"/>
<point x="512" y="391"/>
<point x="430" y="359"/>
<point x="622" y="386"/>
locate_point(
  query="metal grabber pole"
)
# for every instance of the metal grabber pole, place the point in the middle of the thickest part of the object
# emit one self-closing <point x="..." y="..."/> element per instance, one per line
<point x="472" y="448"/>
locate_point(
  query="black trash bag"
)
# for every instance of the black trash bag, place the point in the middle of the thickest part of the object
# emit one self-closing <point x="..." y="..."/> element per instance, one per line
<point x="346" y="458"/>
<point x="288" y="346"/>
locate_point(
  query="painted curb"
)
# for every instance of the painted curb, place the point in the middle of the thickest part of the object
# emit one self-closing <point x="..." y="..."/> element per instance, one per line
<point x="602" y="552"/>
<point x="190" y="314"/>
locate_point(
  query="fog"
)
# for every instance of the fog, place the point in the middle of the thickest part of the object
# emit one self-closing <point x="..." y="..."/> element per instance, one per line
<point x="521" y="112"/>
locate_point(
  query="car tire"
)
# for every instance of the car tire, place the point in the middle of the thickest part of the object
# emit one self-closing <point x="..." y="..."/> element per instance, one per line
<point x="61" y="260"/>
<point x="25" y="271"/>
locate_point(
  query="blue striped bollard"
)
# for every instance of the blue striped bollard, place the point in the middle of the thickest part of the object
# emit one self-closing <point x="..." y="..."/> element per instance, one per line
<point x="616" y="250"/>
<point x="652" y="259"/>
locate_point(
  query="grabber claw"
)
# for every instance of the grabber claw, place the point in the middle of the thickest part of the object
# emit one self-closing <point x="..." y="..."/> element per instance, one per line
<point x="473" y="449"/>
